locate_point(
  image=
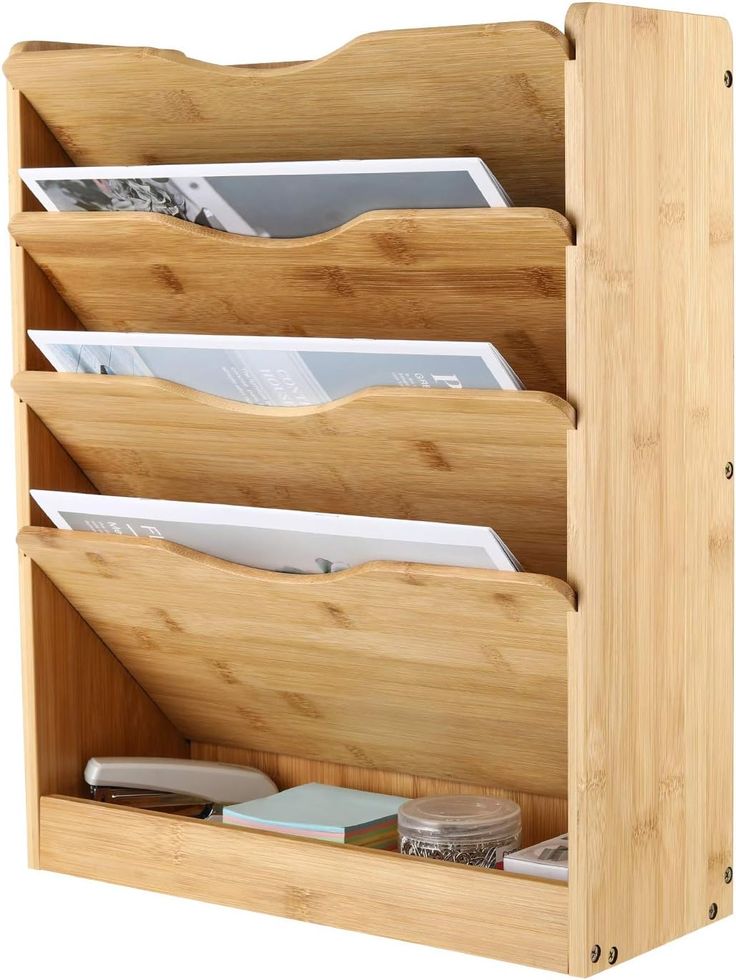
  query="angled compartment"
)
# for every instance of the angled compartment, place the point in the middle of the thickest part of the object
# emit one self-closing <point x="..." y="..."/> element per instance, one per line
<point x="493" y="458"/>
<point x="484" y="274"/>
<point x="453" y="673"/>
<point x="493" y="90"/>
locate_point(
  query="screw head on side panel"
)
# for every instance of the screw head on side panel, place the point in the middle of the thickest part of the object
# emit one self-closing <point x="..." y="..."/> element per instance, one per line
<point x="728" y="875"/>
<point x="712" y="911"/>
<point x="612" y="954"/>
<point x="727" y="79"/>
<point x="595" y="953"/>
<point x="729" y="470"/>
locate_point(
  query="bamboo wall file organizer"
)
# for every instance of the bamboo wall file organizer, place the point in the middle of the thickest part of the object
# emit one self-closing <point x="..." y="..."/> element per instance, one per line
<point x="602" y="706"/>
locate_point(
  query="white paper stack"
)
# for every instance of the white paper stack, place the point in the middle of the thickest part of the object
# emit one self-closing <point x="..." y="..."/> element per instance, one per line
<point x="545" y="860"/>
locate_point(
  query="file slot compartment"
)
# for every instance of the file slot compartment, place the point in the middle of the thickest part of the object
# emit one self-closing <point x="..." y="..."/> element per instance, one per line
<point x="413" y="899"/>
<point x="495" y="91"/>
<point x="494" y="458"/>
<point x="451" y="673"/>
<point x="478" y="274"/>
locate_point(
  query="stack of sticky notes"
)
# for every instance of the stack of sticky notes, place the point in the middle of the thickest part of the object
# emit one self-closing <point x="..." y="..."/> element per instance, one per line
<point x="332" y="813"/>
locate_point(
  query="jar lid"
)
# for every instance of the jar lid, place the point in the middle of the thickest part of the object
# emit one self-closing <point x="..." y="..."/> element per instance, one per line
<point x="459" y="818"/>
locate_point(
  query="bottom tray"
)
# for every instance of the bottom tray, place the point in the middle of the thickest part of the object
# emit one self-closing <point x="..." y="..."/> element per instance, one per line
<point x="488" y="913"/>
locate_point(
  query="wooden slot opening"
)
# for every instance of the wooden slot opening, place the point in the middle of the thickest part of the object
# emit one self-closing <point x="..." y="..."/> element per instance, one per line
<point x="494" y="91"/>
<point x="495" y="275"/>
<point x="494" y="458"/>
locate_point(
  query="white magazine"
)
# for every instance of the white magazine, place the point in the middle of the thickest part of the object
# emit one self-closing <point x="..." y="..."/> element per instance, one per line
<point x="273" y="200"/>
<point x="277" y="371"/>
<point x="279" y="540"/>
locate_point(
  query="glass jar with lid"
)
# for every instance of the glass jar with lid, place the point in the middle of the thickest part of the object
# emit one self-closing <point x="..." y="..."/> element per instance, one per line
<point x="473" y="830"/>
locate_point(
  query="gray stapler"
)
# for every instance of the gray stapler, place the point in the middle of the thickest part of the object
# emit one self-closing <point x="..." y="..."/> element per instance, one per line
<point x="183" y="786"/>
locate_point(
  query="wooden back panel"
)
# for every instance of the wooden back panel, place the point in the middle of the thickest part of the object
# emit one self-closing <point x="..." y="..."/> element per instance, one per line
<point x="493" y="458"/>
<point x="542" y="817"/>
<point x="438" y="671"/>
<point x="494" y="91"/>
<point x="651" y="511"/>
<point x="487" y="274"/>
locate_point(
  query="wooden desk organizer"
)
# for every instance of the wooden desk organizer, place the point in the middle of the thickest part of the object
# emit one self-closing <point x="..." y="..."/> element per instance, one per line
<point x="603" y="706"/>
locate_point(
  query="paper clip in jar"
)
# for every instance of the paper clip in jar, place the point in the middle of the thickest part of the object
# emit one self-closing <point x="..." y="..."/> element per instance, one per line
<point x="473" y="830"/>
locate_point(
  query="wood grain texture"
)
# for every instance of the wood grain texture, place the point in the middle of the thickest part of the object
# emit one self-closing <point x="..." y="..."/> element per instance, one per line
<point x="453" y="673"/>
<point x="486" y="274"/>
<point x="493" y="458"/>
<point x="413" y="899"/>
<point x="542" y="816"/>
<point x="650" y="356"/>
<point x="77" y="697"/>
<point x="24" y="46"/>
<point x="85" y="703"/>
<point x="493" y="91"/>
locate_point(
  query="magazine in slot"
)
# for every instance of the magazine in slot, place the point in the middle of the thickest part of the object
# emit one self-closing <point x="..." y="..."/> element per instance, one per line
<point x="278" y="371"/>
<point x="279" y="540"/>
<point x="296" y="199"/>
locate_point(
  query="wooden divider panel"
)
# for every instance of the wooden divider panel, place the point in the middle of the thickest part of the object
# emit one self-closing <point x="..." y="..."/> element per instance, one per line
<point x="486" y="274"/>
<point x="493" y="91"/>
<point x="438" y="671"/>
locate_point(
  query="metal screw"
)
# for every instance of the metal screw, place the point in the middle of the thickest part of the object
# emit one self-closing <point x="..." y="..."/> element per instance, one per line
<point x="612" y="954"/>
<point x="729" y="470"/>
<point x="727" y="79"/>
<point x="712" y="911"/>
<point x="595" y="954"/>
<point x="728" y="875"/>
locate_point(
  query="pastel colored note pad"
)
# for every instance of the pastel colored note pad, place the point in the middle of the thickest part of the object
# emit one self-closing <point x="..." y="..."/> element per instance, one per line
<point x="331" y="813"/>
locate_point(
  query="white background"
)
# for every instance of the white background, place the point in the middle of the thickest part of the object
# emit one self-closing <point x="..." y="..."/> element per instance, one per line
<point x="57" y="926"/>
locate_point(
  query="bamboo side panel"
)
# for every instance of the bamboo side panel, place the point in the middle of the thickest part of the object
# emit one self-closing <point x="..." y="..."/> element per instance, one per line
<point x="493" y="458"/>
<point x="486" y="274"/>
<point x="418" y="900"/>
<point x="77" y="699"/>
<point x="650" y="347"/>
<point x="445" y="672"/>
<point x="492" y="90"/>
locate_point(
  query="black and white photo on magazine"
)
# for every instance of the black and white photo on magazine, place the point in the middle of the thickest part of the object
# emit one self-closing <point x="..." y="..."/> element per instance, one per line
<point x="271" y="200"/>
